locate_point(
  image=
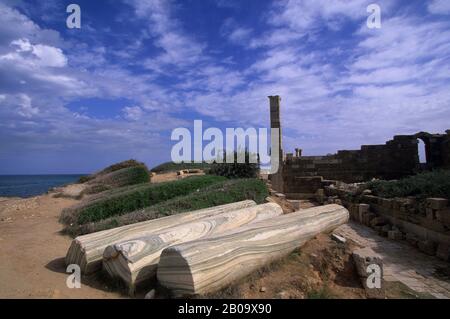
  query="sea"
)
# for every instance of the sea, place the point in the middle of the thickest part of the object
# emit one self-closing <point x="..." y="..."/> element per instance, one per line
<point x="32" y="185"/>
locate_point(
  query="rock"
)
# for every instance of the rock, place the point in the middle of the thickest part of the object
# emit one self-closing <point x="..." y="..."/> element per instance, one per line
<point x="412" y="239"/>
<point x="378" y="221"/>
<point x="320" y="196"/>
<point x="369" y="266"/>
<point x="443" y="215"/>
<point x="282" y="295"/>
<point x="280" y="195"/>
<point x="151" y="294"/>
<point x="443" y="252"/>
<point x="362" y="209"/>
<point x="263" y="289"/>
<point x="367" y="217"/>
<point x="367" y="192"/>
<point x="386" y="228"/>
<point x="430" y="213"/>
<point x="437" y="203"/>
<point x="338" y="238"/>
<point x="395" y="235"/>
<point x="427" y="246"/>
<point x="269" y="200"/>
<point x="295" y="203"/>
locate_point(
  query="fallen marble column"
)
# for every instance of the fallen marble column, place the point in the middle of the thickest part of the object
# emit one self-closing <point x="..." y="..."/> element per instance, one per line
<point x="87" y="250"/>
<point x="207" y="265"/>
<point x="135" y="261"/>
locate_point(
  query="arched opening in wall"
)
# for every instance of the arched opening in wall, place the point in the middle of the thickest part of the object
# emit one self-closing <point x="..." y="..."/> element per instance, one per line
<point x="422" y="151"/>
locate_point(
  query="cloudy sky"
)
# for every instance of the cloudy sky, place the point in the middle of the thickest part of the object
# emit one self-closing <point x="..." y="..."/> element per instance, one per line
<point x="75" y="100"/>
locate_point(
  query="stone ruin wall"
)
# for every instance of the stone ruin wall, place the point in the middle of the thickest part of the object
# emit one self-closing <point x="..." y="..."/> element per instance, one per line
<point x="301" y="176"/>
<point x="423" y="224"/>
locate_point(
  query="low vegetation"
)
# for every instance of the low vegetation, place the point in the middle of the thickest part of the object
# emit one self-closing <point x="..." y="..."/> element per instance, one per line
<point x="112" y="168"/>
<point x="223" y="192"/>
<point x="122" y="201"/>
<point x="173" y="167"/>
<point x="236" y="169"/>
<point x="121" y="174"/>
<point x="430" y="184"/>
<point x="125" y="176"/>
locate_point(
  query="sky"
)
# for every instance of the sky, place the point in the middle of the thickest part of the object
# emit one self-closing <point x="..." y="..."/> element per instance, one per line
<point x="77" y="100"/>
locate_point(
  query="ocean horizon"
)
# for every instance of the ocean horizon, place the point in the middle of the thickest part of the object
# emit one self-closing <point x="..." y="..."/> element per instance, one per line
<point x="33" y="185"/>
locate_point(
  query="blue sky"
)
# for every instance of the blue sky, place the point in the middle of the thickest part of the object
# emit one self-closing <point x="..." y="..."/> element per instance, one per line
<point x="76" y="100"/>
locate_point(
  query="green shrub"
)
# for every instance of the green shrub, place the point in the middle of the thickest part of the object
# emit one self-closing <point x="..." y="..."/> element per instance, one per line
<point x="235" y="169"/>
<point x="121" y="165"/>
<point x="84" y="179"/>
<point x="173" y="167"/>
<point x="225" y="192"/>
<point x="125" y="176"/>
<point x="121" y="174"/>
<point x="430" y="184"/>
<point x="121" y="202"/>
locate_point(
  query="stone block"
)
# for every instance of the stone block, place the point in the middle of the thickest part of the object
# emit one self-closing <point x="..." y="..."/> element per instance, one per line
<point x="430" y="213"/>
<point x="385" y="229"/>
<point x="443" y="216"/>
<point x="386" y="203"/>
<point x="427" y="246"/>
<point x="378" y="221"/>
<point x="295" y="203"/>
<point x="367" y="217"/>
<point x="443" y="252"/>
<point x="369" y="266"/>
<point x="437" y="203"/>
<point x="338" y="238"/>
<point x="362" y="209"/>
<point x="412" y="239"/>
<point x="395" y="235"/>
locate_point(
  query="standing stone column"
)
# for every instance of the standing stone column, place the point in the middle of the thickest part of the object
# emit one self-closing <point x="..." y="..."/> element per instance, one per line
<point x="275" y="120"/>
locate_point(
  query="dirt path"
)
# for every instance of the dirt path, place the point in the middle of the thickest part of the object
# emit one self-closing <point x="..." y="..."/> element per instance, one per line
<point x="402" y="262"/>
<point x="32" y="251"/>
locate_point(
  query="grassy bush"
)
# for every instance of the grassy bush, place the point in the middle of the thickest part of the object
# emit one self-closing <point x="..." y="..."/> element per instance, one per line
<point x="431" y="184"/>
<point x="121" y="165"/>
<point x="112" y="168"/>
<point x="172" y="167"/>
<point x="86" y="178"/>
<point x="235" y="169"/>
<point x="125" y="176"/>
<point x="221" y="193"/>
<point x="128" y="200"/>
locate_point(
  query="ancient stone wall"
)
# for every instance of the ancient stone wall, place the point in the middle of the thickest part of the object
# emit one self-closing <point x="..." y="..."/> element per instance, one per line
<point x="395" y="159"/>
<point x="424" y="224"/>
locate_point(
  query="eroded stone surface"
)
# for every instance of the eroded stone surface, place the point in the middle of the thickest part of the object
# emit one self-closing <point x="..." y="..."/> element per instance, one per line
<point x="401" y="262"/>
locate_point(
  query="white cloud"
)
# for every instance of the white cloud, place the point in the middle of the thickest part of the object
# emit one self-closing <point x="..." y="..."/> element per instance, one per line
<point x="43" y="55"/>
<point x="132" y="113"/>
<point x="439" y="6"/>
<point x="26" y="109"/>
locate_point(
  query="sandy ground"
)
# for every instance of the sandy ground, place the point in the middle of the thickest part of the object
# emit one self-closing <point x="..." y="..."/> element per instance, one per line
<point x="32" y="251"/>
